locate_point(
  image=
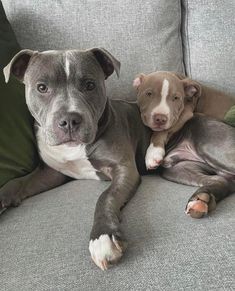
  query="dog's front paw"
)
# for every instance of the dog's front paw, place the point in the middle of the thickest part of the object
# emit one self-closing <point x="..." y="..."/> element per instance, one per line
<point x="154" y="157"/>
<point x="106" y="250"/>
<point x="10" y="195"/>
<point x="200" y="205"/>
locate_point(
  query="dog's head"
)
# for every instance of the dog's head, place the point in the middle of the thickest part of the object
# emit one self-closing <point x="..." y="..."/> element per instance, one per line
<point x="65" y="90"/>
<point x="161" y="97"/>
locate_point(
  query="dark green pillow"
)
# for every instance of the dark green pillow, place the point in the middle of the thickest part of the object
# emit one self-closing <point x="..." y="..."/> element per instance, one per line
<point x="230" y="116"/>
<point x="18" y="151"/>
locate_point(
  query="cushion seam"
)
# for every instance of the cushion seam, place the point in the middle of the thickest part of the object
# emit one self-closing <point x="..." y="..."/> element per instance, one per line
<point x="180" y="39"/>
<point x="187" y="39"/>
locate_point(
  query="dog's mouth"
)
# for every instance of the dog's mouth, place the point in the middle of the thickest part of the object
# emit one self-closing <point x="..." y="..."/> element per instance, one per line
<point x="68" y="141"/>
<point x="167" y="126"/>
<point x="158" y="128"/>
<point x="155" y="127"/>
<point x="72" y="143"/>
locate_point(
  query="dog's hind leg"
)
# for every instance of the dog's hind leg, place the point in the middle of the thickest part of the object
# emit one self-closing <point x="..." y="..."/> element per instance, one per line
<point x="212" y="187"/>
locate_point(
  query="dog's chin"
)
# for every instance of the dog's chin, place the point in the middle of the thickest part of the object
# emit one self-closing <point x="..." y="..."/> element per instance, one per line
<point x="161" y="128"/>
<point x="72" y="143"/>
<point x="67" y="142"/>
<point x="158" y="128"/>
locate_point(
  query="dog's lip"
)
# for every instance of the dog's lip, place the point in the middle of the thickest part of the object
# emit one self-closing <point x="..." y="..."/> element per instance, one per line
<point x="157" y="128"/>
<point x="70" y="142"/>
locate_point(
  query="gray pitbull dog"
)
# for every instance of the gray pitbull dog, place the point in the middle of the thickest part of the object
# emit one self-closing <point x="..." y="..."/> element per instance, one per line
<point x="82" y="134"/>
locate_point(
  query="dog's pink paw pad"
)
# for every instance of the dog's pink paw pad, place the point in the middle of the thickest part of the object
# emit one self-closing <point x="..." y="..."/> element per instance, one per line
<point x="196" y="209"/>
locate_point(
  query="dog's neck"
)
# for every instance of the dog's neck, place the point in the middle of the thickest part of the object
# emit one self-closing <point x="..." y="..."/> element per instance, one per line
<point x="104" y="120"/>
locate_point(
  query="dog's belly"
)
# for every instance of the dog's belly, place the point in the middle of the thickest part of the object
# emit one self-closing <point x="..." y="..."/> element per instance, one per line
<point x="71" y="161"/>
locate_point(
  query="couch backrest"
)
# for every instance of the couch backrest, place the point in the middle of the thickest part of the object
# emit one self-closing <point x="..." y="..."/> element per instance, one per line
<point x="209" y="42"/>
<point x="143" y="35"/>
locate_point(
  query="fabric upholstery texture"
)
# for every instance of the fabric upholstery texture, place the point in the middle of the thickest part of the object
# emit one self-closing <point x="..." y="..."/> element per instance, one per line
<point x="44" y="242"/>
<point x="208" y="36"/>
<point x="144" y="36"/>
<point x="18" y="154"/>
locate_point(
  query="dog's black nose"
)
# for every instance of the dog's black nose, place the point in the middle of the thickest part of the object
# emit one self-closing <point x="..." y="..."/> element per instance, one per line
<point x="160" y="119"/>
<point x="70" y="121"/>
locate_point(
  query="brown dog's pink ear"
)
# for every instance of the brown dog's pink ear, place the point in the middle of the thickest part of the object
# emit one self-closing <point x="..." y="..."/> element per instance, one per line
<point x="18" y="65"/>
<point x="192" y="88"/>
<point x="138" y="81"/>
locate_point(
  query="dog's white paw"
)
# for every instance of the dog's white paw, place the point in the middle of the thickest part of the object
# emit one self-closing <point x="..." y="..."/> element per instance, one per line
<point x="105" y="250"/>
<point x="154" y="157"/>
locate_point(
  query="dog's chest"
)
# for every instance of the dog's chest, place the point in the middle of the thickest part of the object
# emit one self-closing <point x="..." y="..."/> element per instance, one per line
<point x="71" y="161"/>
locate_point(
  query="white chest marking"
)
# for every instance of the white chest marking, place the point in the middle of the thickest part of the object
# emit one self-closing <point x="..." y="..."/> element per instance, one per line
<point x="163" y="107"/>
<point x="71" y="161"/>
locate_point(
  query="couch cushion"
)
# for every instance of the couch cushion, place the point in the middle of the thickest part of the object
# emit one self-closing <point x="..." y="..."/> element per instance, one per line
<point x="18" y="153"/>
<point x="144" y="36"/>
<point x="44" y="242"/>
<point x="209" y="42"/>
<point x="230" y="116"/>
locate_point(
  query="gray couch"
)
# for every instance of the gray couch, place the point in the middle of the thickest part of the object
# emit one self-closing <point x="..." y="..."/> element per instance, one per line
<point x="44" y="242"/>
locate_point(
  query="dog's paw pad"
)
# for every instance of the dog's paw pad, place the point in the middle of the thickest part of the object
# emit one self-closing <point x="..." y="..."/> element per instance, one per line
<point x="153" y="164"/>
<point x="203" y="203"/>
<point x="196" y="209"/>
<point x="106" y="250"/>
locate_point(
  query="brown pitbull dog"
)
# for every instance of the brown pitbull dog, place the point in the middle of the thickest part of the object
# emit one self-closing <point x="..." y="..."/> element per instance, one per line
<point x="167" y="101"/>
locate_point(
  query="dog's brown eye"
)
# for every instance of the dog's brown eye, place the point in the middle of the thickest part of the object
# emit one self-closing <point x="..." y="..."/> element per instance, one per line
<point x="176" y="98"/>
<point x="42" y="88"/>
<point x="149" y="93"/>
<point x="90" y="85"/>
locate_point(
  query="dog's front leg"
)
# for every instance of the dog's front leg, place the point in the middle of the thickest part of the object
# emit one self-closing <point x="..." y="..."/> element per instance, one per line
<point x="43" y="178"/>
<point x="106" y="240"/>
<point x="156" y="150"/>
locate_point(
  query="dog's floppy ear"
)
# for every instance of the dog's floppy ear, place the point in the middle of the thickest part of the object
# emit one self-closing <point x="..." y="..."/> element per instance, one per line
<point x="107" y="61"/>
<point x="192" y="88"/>
<point x="138" y="81"/>
<point x="18" y="65"/>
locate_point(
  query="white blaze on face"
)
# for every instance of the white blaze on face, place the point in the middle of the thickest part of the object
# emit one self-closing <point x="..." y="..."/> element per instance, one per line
<point x="67" y="67"/>
<point x="67" y="64"/>
<point x="163" y="107"/>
